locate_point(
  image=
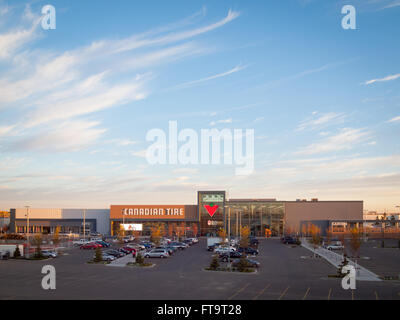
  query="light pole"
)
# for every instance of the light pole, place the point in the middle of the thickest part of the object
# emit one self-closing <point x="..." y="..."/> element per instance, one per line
<point x="229" y="236"/>
<point x="84" y="224"/>
<point x="27" y="227"/>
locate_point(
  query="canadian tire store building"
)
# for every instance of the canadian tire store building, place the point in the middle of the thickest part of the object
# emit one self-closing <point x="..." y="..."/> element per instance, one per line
<point x="211" y="213"/>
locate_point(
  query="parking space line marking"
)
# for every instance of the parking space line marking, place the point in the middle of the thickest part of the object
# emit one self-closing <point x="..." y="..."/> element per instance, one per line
<point x="329" y="294"/>
<point x="376" y="295"/>
<point x="283" y="293"/>
<point x="305" y="296"/>
<point x="261" y="292"/>
<point x="239" y="291"/>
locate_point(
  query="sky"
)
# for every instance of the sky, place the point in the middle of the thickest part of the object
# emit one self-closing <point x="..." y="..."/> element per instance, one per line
<point x="77" y="102"/>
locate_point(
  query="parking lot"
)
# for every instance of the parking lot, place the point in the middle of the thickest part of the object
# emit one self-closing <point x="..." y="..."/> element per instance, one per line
<point x="286" y="272"/>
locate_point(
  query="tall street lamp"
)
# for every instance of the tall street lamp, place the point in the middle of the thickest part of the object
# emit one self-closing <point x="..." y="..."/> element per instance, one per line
<point x="229" y="236"/>
<point x="27" y="226"/>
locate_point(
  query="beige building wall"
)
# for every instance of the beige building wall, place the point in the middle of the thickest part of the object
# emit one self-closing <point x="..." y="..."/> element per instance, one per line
<point x="35" y="213"/>
<point x="298" y="211"/>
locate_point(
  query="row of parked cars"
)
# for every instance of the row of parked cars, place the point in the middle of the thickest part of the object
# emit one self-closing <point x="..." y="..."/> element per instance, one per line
<point x="234" y="253"/>
<point x="166" y="248"/>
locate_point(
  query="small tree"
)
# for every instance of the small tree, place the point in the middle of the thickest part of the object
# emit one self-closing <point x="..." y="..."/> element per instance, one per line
<point x="17" y="253"/>
<point x="120" y="234"/>
<point x="242" y="264"/>
<point x="139" y="258"/>
<point x="195" y="229"/>
<point x="214" y="265"/>
<point x="304" y="230"/>
<point x="355" y="241"/>
<point x="315" y="236"/>
<point x="37" y="241"/>
<point x="98" y="257"/>
<point x="56" y="236"/>
<point x="222" y="234"/>
<point x="244" y="237"/>
<point x="156" y="234"/>
<point x="328" y="236"/>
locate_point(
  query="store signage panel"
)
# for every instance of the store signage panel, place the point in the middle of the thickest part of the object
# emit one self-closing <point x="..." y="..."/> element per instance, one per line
<point x="146" y="212"/>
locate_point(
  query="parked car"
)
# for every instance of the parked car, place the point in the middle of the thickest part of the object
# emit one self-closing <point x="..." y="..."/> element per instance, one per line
<point x="115" y="253"/>
<point x="49" y="254"/>
<point x="289" y="240"/>
<point x="233" y="255"/>
<point x="250" y="263"/>
<point x="169" y="249"/>
<point x="187" y="241"/>
<point x="124" y="251"/>
<point x="222" y="250"/>
<point x="212" y="247"/>
<point x="103" y="243"/>
<point x="157" y="253"/>
<point x="126" y="239"/>
<point x="90" y="245"/>
<point x="254" y="242"/>
<point x="335" y="246"/>
<point x="129" y="249"/>
<point x="107" y="257"/>
<point x="249" y="250"/>
<point x="80" y="242"/>
<point x="178" y="245"/>
<point x="194" y="240"/>
<point x="147" y="245"/>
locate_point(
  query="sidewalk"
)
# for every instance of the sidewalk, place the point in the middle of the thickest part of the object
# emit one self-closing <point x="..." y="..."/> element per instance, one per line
<point x="335" y="259"/>
<point x="121" y="262"/>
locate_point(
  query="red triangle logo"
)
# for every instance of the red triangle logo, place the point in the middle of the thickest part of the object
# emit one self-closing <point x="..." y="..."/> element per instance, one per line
<point x="211" y="209"/>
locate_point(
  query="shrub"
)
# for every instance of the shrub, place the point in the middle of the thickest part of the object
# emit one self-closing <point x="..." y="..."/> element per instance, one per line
<point x="139" y="259"/>
<point x="17" y="253"/>
<point x="214" y="263"/>
<point x="98" y="255"/>
<point x="242" y="264"/>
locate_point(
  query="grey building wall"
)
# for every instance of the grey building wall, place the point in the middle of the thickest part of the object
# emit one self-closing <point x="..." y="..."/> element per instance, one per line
<point x="102" y="217"/>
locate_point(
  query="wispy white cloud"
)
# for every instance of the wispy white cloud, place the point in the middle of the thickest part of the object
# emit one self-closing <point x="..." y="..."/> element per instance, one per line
<point x="387" y="78"/>
<point x="50" y="87"/>
<point x="225" y="121"/>
<point x="216" y="76"/>
<point x="345" y="140"/>
<point x="392" y="4"/>
<point x="318" y="121"/>
<point x="395" y="119"/>
<point x="67" y="136"/>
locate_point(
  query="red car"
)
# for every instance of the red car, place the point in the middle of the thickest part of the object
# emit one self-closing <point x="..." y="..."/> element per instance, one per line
<point x="130" y="250"/>
<point x="91" y="245"/>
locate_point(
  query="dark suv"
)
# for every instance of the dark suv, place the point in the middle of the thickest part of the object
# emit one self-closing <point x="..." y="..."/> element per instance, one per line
<point x="289" y="240"/>
<point x="248" y="250"/>
<point x="233" y="255"/>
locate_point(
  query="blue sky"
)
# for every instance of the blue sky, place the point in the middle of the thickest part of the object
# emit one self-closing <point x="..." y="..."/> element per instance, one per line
<point x="76" y="102"/>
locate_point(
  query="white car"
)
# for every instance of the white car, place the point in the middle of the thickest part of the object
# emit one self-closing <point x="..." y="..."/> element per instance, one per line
<point x="49" y="254"/>
<point x="157" y="253"/>
<point x="194" y="240"/>
<point x="80" y="242"/>
<point x="222" y="250"/>
<point x="335" y="246"/>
